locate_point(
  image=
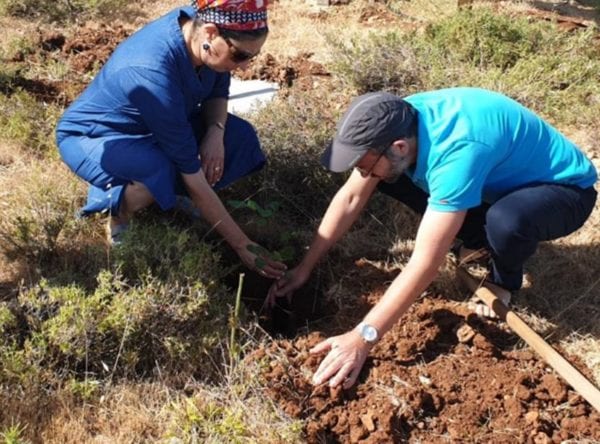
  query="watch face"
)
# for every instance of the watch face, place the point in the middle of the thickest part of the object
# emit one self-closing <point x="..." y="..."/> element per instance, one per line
<point x="369" y="333"/>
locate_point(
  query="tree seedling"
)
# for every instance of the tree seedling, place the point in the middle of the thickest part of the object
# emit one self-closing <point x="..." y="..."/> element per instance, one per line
<point x="286" y="253"/>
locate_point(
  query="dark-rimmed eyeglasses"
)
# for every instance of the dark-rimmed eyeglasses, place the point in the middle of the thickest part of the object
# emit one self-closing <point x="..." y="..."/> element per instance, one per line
<point x="238" y="55"/>
<point x="366" y="172"/>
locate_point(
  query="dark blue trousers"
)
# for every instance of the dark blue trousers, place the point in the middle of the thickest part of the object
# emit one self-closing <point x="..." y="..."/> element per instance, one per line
<point x="112" y="162"/>
<point x="511" y="227"/>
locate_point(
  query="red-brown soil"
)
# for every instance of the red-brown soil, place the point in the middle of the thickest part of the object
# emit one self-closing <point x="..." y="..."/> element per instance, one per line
<point x="92" y="46"/>
<point x="286" y="72"/>
<point x="82" y="53"/>
<point x="441" y="374"/>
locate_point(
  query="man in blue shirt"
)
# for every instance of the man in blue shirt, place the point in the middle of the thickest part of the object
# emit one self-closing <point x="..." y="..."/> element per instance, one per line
<point x="479" y="166"/>
<point x="153" y="124"/>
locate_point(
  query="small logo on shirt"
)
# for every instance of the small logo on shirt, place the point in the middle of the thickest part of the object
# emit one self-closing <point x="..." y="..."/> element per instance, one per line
<point x="443" y="202"/>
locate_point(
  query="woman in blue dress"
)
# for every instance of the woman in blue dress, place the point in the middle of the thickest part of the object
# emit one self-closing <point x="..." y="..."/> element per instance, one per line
<point x="153" y="124"/>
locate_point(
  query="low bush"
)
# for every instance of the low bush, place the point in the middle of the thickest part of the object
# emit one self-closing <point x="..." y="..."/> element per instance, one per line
<point x="117" y="330"/>
<point x="27" y="120"/>
<point x="169" y="253"/>
<point x="294" y="133"/>
<point x="37" y="209"/>
<point x="378" y="62"/>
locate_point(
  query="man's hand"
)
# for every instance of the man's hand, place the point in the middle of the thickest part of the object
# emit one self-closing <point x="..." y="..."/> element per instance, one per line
<point x="345" y="358"/>
<point x="259" y="259"/>
<point x="285" y="287"/>
<point x="212" y="155"/>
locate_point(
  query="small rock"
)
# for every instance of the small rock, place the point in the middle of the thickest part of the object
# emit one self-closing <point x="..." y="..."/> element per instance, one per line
<point x="425" y="380"/>
<point x="574" y="399"/>
<point x="357" y="433"/>
<point x="532" y="417"/>
<point x="523" y="393"/>
<point x="367" y="421"/>
<point x="541" y="438"/>
<point x="465" y="333"/>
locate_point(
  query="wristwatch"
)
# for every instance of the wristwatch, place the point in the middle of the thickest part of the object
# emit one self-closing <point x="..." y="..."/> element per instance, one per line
<point x="369" y="333"/>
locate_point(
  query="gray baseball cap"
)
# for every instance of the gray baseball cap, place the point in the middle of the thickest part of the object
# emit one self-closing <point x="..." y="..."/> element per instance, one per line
<point x="373" y="121"/>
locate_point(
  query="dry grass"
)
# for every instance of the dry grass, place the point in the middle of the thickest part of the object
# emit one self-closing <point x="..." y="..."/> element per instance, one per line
<point x="127" y="413"/>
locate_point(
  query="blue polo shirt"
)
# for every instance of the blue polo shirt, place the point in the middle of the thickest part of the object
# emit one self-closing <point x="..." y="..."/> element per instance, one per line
<point x="148" y="87"/>
<point x="476" y="146"/>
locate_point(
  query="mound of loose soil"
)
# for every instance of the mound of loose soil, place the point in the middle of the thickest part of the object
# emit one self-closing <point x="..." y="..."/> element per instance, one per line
<point x="82" y="53"/>
<point x="441" y="374"/>
<point x="285" y="73"/>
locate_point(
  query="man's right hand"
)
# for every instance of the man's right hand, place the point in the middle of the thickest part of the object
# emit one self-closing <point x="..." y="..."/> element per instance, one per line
<point x="285" y="287"/>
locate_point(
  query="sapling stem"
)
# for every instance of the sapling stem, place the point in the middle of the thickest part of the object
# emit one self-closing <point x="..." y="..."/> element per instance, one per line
<point x="233" y="348"/>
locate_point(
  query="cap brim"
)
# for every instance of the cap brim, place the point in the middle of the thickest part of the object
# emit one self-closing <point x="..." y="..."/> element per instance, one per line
<point x="340" y="157"/>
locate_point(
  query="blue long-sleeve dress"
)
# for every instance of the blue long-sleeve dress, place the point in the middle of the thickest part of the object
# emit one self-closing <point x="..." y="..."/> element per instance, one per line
<point x="139" y="121"/>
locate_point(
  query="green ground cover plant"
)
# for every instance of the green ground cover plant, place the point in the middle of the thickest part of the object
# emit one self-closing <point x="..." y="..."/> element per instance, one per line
<point x="34" y="227"/>
<point x="26" y="120"/>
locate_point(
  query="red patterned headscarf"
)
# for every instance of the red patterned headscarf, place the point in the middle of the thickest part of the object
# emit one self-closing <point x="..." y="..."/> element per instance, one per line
<point x="237" y="15"/>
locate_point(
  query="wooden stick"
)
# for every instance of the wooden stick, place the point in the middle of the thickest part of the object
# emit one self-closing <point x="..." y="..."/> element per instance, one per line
<point x="563" y="367"/>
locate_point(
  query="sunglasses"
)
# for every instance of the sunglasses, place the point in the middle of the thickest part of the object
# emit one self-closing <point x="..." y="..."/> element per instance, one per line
<point x="238" y="55"/>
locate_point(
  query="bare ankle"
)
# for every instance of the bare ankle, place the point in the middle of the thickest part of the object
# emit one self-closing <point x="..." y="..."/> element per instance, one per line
<point x="116" y="221"/>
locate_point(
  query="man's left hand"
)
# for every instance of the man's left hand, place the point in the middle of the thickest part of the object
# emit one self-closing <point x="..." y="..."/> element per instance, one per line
<point x="345" y="358"/>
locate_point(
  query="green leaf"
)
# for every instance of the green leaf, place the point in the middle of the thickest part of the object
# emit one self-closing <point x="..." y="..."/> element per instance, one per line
<point x="253" y="205"/>
<point x="264" y="213"/>
<point x="287" y="253"/>
<point x="236" y="203"/>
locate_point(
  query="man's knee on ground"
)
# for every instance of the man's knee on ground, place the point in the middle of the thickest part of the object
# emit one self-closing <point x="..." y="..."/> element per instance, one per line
<point x="504" y="228"/>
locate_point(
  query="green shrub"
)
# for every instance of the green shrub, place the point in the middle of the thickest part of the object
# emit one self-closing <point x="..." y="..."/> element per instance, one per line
<point x="121" y="330"/>
<point x="235" y="411"/>
<point x="294" y="132"/>
<point x="8" y="321"/>
<point x="13" y="434"/>
<point x="169" y="253"/>
<point x="37" y="212"/>
<point x="27" y="120"/>
<point x="537" y="63"/>
<point x="379" y="62"/>
<point x="480" y="38"/>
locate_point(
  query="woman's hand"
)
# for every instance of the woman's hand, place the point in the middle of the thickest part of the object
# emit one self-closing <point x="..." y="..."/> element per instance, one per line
<point x="212" y="154"/>
<point x="259" y="259"/>
<point x="290" y="282"/>
<point x="345" y="358"/>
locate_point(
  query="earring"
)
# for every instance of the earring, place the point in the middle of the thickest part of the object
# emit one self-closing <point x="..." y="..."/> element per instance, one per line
<point x="206" y="46"/>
